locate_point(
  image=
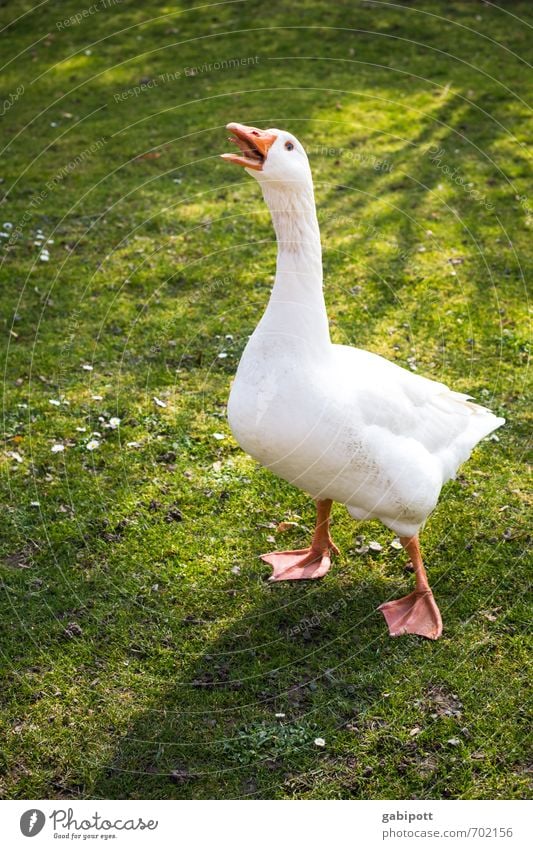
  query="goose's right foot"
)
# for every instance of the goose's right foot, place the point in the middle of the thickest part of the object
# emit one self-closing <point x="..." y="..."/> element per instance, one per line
<point x="301" y="565"/>
<point x="306" y="563"/>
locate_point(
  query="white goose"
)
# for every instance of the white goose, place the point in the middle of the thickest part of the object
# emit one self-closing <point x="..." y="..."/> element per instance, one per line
<point x="340" y="423"/>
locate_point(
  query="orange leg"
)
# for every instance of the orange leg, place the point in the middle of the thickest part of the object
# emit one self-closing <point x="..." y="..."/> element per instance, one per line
<point x="416" y="613"/>
<point x="306" y="563"/>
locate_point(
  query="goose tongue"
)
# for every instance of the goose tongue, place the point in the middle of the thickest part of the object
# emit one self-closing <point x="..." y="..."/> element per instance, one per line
<point x="254" y="145"/>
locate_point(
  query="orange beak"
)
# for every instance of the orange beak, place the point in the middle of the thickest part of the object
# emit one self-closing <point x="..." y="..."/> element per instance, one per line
<point x="253" y="143"/>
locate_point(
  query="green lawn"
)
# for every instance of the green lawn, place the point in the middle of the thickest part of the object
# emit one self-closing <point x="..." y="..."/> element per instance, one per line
<point x="143" y="653"/>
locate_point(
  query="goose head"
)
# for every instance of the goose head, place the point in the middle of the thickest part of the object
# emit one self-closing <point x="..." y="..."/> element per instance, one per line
<point x="274" y="157"/>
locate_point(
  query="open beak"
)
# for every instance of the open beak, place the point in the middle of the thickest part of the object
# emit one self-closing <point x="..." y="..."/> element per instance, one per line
<point x="254" y="145"/>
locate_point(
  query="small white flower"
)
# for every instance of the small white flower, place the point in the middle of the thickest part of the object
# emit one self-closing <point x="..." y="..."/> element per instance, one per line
<point x="54" y="402"/>
<point x="15" y="456"/>
<point x="114" y="422"/>
<point x="57" y="448"/>
<point x="320" y="742"/>
<point x="374" y="546"/>
<point x="279" y="715"/>
<point x="159" y="402"/>
<point x="35" y="503"/>
<point x="81" y="429"/>
<point x="222" y="355"/>
<point x="8" y="225"/>
<point x="133" y="444"/>
<point x="97" y="397"/>
<point x="218" y="436"/>
<point x="44" y="257"/>
<point x="396" y="544"/>
<point x="92" y="445"/>
<point x="87" y="367"/>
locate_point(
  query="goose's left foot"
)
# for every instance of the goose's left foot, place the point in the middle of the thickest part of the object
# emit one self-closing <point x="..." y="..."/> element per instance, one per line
<point x="306" y="563"/>
<point x="416" y="613"/>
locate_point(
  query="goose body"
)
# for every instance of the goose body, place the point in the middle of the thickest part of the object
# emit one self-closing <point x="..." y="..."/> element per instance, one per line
<point x="353" y="427"/>
<point x="340" y="423"/>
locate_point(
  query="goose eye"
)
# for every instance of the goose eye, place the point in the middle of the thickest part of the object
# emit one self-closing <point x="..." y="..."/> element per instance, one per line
<point x="289" y="146"/>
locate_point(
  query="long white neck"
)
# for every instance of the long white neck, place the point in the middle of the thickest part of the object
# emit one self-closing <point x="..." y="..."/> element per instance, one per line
<point x="296" y="304"/>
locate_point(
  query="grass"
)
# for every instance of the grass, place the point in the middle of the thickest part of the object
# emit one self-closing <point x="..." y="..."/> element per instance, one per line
<point x="143" y="654"/>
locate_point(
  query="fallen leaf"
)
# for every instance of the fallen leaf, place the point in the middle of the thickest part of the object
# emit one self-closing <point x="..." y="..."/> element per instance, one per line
<point x="286" y="526"/>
